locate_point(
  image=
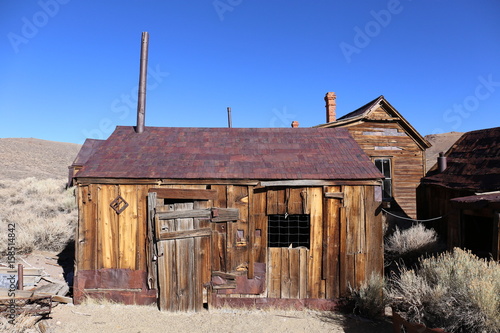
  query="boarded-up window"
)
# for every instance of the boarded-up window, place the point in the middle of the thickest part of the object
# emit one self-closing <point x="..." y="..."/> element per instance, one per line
<point x="384" y="165"/>
<point x="288" y="230"/>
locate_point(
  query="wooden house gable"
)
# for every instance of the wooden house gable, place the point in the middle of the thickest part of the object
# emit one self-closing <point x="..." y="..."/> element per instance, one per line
<point x="390" y="140"/>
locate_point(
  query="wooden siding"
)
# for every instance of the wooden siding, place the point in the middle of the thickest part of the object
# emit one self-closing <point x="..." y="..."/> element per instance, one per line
<point x="434" y="201"/>
<point x="346" y="240"/>
<point x="381" y="136"/>
<point x="106" y="239"/>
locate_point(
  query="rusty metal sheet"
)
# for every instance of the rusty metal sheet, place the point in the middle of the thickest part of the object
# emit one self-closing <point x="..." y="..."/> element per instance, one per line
<point x="120" y="285"/>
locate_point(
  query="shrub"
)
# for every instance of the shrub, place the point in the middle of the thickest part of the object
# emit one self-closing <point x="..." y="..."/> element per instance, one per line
<point x="409" y="244"/>
<point x="456" y="291"/>
<point x="43" y="211"/>
<point x="369" y="298"/>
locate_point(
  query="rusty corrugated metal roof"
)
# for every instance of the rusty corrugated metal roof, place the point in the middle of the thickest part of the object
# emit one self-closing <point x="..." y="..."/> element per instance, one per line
<point x="473" y="163"/>
<point x="230" y="153"/>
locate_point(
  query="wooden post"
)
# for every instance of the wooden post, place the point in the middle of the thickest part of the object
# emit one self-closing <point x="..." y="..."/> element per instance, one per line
<point x="20" y="277"/>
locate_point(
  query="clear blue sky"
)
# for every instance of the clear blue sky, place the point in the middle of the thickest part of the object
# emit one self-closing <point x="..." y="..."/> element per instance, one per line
<point x="69" y="68"/>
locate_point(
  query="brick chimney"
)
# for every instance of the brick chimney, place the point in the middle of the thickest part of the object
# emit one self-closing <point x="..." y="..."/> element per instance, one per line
<point x="295" y="124"/>
<point x="331" y="105"/>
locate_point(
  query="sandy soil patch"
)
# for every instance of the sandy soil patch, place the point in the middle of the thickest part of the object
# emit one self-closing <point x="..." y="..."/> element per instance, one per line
<point x="123" y="318"/>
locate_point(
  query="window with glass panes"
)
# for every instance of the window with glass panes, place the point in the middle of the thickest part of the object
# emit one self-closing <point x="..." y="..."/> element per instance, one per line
<point x="384" y="165"/>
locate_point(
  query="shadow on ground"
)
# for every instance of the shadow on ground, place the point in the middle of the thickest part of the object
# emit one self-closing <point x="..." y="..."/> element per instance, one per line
<point x="66" y="259"/>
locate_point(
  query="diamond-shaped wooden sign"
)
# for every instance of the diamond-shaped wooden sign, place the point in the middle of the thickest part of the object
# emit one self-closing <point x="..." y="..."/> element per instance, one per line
<point x="119" y="204"/>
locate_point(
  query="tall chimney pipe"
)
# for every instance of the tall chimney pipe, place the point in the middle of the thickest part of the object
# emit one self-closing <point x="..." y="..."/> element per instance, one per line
<point x="143" y="73"/>
<point x="229" y="120"/>
<point x="442" y="163"/>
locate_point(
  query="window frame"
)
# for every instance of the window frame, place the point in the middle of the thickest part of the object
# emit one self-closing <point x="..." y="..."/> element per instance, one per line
<point x="390" y="179"/>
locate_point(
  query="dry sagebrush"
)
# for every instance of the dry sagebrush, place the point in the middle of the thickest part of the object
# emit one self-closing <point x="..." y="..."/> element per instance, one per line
<point x="456" y="291"/>
<point x="369" y="299"/>
<point x="43" y="211"/>
<point x="409" y="244"/>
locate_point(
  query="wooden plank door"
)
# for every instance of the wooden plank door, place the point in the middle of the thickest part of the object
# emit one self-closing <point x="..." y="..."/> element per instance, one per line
<point x="182" y="237"/>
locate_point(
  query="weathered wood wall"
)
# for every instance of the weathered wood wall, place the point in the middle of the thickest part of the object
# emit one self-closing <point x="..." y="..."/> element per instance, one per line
<point x="382" y="136"/>
<point x="434" y="201"/>
<point x="106" y="239"/>
<point x="346" y="237"/>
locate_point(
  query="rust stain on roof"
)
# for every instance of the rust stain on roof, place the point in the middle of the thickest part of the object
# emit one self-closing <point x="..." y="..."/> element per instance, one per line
<point x="230" y="153"/>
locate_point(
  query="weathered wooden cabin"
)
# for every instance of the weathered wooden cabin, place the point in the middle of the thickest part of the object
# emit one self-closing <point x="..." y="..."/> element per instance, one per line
<point x="465" y="192"/>
<point x="188" y="217"/>
<point x="392" y="143"/>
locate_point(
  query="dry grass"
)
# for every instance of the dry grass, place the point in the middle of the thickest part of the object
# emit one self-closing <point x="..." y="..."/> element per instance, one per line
<point x="456" y="291"/>
<point x="43" y="211"/>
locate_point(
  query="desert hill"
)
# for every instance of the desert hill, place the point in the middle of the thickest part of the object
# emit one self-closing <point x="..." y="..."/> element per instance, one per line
<point x="440" y="143"/>
<point x="27" y="157"/>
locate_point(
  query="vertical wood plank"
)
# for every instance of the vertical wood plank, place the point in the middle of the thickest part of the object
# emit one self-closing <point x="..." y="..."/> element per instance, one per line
<point x="260" y="217"/>
<point x="187" y="277"/>
<point x="294" y="269"/>
<point x="303" y="271"/>
<point x="274" y="265"/>
<point x="351" y="210"/>
<point x="215" y="255"/>
<point x="142" y="231"/>
<point x="285" y="273"/>
<point x="164" y="285"/>
<point x="152" y="248"/>
<point x="281" y="200"/>
<point x="238" y="198"/>
<point x="360" y="254"/>
<point x="167" y="266"/>
<point x="86" y="245"/>
<point x="272" y="201"/>
<point x="80" y="230"/>
<point x="94" y="200"/>
<point x="230" y="233"/>
<point x="375" y="234"/>
<point x="343" y="253"/>
<point x="331" y="267"/>
<point x="109" y="227"/>
<point x="251" y="233"/>
<point x="127" y="228"/>
<point x="219" y="242"/>
<point x="202" y="250"/>
<point x="99" y="228"/>
<point x="315" y="201"/>
<point x="295" y="204"/>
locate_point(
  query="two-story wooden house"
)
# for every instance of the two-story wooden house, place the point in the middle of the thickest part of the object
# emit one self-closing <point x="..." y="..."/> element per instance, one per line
<point x="395" y="146"/>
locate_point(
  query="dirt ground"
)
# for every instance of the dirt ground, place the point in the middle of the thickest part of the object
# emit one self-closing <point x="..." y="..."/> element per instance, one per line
<point x="124" y="318"/>
<point x="108" y="317"/>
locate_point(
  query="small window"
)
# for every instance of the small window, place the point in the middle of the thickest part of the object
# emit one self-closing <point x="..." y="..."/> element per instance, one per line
<point x="384" y="165"/>
<point x="288" y="230"/>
